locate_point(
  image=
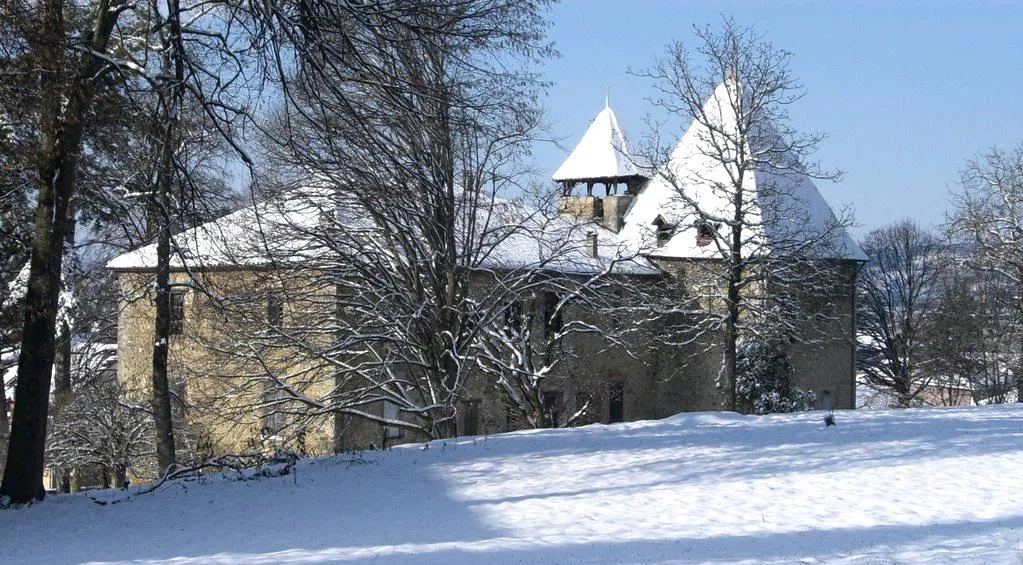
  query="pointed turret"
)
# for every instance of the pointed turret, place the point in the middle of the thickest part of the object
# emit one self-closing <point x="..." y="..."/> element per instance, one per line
<point x="601" y="157"/>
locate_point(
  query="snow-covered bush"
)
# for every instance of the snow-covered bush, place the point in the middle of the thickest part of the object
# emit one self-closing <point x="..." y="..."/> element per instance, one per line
<point x="764" y="381"/>
<point x="99" y="428"/>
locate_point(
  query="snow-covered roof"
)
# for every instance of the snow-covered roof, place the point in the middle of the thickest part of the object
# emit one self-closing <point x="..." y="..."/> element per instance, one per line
<point x="561" y="244"/>
<point x="233" y="240"/>
<point x="601" y="153"/>
<point x="292" y="230"/>
<point x="785" y="207"/>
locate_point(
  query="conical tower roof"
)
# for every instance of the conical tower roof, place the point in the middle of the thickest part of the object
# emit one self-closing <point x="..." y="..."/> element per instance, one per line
<point x="602" y="153"/>
<point x="784" y="206"/>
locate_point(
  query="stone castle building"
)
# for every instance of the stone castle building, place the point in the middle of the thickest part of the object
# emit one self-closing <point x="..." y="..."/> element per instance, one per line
<point x="616" y="216"/>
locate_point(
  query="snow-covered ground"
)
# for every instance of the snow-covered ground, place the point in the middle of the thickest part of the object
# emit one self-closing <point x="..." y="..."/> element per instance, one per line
<point x="916" y="486"/>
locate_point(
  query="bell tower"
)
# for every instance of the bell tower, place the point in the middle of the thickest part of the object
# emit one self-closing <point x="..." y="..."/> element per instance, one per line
<point x="600" y="159"/>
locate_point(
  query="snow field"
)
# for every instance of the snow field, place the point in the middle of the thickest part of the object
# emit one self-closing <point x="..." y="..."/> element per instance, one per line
<point x="914" y="486"/>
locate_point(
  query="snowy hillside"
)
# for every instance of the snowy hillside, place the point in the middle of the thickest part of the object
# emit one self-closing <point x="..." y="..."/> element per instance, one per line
<point x="917" y="486"/>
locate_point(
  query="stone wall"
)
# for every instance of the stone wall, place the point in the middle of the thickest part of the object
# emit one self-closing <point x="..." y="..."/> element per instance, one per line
<point x="216" y="377"/>
<point x="216" y="364"/>
<point x="822" y="349"/>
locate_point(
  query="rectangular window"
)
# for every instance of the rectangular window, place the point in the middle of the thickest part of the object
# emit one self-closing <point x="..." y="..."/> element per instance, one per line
<point x="552" y="406"/>
<point x="177" y="311"/>
<point x="664" y="231"/>
<point x="591" y="403"/>
<point x="472" y="417"/>
<point x="553" y="318"/>
<point x="274" y="310"/>
<point x="616" y="409"/>
<point x="273" y="408"/>
<point x="390" y="412"/>
<point x="513" y="317"/>
<point x="512" y="417"/>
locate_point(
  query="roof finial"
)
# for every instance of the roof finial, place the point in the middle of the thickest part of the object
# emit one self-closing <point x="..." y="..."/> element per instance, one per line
<point x="607" y="96"/>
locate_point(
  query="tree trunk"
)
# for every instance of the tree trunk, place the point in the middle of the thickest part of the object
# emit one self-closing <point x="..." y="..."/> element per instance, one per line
<point x="5" y="425"/>
<point x="338" y="441"/>
<point x="62" y="365"/>
<point x="62" y="392"/>
<point x="60" y="147"/>
<point x="120" y="476"/>
<point x="165" y="449"/>
<point x="1019" y="372"/>
<point x="1019" y="385"/>
<point x="161" y="384"/>
<point x="729" y="367"/>
<point x="732" y="326"/>
<point x="173" y="67"/>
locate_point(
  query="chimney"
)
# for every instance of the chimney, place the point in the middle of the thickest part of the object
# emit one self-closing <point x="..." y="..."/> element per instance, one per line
<point x="591" y="243"/>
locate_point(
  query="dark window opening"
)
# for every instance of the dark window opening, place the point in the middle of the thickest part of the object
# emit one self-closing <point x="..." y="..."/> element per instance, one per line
<point x="273" y="408"/>
<point x="472" y="417"/>
<point x="513" y="316"/>
<point x="589" y="405"/>
<point x="664" y="231"/>
<point x="390" y="412"/>
<point x="553" y="318"/>
<point x="704" y="233"/>
<point x="177" y="311"/>
<point x="616" y="408"/>
<point x="274" y="310"/>
<point x="512" y="417"/>
<point x="552" y="406"/>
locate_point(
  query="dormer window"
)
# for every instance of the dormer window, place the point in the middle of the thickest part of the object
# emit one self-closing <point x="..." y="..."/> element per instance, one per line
<point x="705" y="232"/>
<point x="664" y="231"/>
<point x="513" y="319"/>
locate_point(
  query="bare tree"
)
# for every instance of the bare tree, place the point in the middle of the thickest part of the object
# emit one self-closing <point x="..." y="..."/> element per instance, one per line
<point x="99" y="428"/>
<point x="334" y="305"/>
<point x="955" y="337"/>
<point x="411" y="126"/>
<point x="987" y="219"/>
<point x="187" y="83"/>
<point x="577" y="301"/>
<point x="899" y="289"/>
<point x="763" y="255"/>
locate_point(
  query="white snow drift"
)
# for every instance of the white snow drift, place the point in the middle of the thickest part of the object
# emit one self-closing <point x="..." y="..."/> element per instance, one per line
<point x="916" y="486"/>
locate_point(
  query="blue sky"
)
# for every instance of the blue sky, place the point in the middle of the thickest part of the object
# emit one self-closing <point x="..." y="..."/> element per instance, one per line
<point x="906" y="91"/>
